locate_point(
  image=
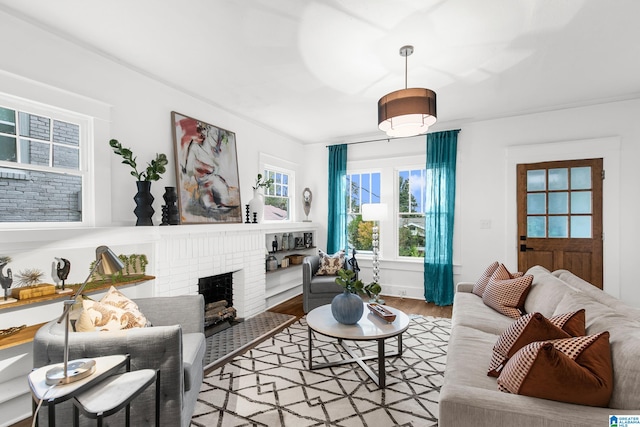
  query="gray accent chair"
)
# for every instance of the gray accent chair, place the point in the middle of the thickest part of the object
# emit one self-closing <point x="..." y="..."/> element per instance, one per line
<point x="174" y="344"/>
<point x="319" y="290"/>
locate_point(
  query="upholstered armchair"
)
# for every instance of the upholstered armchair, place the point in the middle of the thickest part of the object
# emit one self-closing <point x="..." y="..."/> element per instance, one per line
<point x="320" y="290"/>
<point x="174" y="344"/>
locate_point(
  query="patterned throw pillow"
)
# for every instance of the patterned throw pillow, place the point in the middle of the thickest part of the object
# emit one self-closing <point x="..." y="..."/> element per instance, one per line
<point x="112" y="313"/>
<point x="572" y="323"/>
<point x="506" y="293"/>
<point x="573" y="370"/>
<point x="481" y="284"/>
<point x="330" y="264"/>
<point x="527" y="329"/>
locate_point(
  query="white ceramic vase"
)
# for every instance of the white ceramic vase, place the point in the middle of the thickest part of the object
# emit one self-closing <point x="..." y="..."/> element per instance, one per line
<point x="256" y="205"/>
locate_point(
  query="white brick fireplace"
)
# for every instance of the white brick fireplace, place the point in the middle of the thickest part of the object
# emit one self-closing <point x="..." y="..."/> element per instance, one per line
<point x="186" y="253"/>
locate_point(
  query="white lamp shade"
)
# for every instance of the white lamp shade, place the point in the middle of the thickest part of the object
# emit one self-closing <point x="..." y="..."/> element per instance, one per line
<point x="374" y="211"/>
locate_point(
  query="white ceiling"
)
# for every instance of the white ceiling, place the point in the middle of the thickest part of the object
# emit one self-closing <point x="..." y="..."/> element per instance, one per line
<point x="314" y="70"/>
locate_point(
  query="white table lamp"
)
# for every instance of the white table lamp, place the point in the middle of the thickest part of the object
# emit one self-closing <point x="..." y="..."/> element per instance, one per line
<point x="69" y="371"/>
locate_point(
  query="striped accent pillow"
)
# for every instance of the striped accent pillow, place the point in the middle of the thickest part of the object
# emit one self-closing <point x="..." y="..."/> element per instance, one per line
<point x="481" y="284"/>
<point x="573" y="370"/>
<point x="530" y="328"/>
<point x="506" y="294"/>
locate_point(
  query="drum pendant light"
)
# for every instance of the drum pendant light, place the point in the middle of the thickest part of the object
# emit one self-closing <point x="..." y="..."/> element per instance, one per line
<point x="407" y="112"/>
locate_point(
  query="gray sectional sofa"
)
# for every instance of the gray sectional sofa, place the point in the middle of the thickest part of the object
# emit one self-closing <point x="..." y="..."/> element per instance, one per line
<point x="471" y="398"/>
<point x="174" y="344"/>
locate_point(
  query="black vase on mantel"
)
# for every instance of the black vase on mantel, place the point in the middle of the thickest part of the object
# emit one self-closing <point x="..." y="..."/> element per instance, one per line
<point x="144" y="199"/>
<point x="170" y="214"/>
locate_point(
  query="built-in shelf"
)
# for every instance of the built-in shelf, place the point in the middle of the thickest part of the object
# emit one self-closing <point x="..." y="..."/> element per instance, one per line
<point x="91" y="287"/>
<point x="280" y="269"/>
<point x="26" y="335"/>
<point x="289" y="251"/>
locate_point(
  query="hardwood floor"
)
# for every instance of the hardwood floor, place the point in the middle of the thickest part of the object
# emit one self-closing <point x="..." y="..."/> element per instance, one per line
<point x="408" y="305"/>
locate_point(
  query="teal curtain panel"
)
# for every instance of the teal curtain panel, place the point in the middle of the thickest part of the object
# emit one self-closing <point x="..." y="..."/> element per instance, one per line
<point x="439" y="214"/>
<point x="337" y="203"/>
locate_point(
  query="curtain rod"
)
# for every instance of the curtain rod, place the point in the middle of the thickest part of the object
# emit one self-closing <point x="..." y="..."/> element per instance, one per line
<point x="388" y="139"/>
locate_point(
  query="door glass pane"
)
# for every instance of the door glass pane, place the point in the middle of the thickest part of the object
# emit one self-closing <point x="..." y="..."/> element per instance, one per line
<point x="581" y="202"/>
<point x="536" y="204"/>
<point x="536" y="226"/>
<point x="536" y="180"/>
<point x="558" y="179"/>
<point x="581" y="227"/>
<point x="559" y="203"/>
<point x="558" y="226"/>
<point x="581" y="178"/>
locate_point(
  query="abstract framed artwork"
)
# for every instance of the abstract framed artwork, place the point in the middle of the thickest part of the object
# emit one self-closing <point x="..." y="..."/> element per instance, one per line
<point x="206" y="172"/>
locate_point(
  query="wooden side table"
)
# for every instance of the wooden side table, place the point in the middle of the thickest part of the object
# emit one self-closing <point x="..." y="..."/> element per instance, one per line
<point x="115" y="393"/>
<point x="52" y="395"/>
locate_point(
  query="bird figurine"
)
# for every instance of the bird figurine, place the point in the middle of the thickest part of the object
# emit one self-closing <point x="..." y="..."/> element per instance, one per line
<point x="62" y="269"/>
<point x="7" y="280"/>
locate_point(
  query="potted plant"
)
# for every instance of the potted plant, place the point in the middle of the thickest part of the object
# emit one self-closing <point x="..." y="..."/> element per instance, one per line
<point x="143" y="198"/>
<point x="256" y="205"/>
<point x="347" y="307"/>
<point x="372" y="290"/>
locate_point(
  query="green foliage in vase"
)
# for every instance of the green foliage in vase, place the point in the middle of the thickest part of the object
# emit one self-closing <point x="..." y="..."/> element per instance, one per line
<point x="155" y="168"/>
<point x="347" y="279"/>
<point x="262" y="182"/>
<point x="373" y="289"/>
<point x="5" y="259"/>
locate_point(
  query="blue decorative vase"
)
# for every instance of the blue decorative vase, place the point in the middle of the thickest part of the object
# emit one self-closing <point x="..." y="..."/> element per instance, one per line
<point x="347" y="308"/>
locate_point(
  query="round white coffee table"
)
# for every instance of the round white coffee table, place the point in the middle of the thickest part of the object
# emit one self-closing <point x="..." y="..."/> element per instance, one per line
<point x="370" y="327"/>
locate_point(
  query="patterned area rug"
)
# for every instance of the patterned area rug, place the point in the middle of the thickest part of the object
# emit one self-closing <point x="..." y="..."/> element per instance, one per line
<point x="271" y="386"/>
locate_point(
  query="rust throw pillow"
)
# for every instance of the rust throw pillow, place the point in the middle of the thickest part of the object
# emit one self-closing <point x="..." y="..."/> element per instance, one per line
<point x="525" y="330"/>
<point x="573" y="370"/>
<point x="506" y="293"/>
<point x="572" y="323"/>
<point x="481" y="284"/>
<point x="330" y="264"/>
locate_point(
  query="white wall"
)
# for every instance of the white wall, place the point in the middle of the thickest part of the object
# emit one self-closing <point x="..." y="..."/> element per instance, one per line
<point x="486" y="191"/>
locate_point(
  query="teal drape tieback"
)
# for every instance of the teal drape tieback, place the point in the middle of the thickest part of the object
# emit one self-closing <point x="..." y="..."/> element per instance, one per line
<point x="337" y="203"/>
<point x="439" y="215"/>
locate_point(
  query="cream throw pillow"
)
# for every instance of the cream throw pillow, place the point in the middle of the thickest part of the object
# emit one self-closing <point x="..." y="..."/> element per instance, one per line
<point x="330" y="264"/>
<point x="112" y="313"/>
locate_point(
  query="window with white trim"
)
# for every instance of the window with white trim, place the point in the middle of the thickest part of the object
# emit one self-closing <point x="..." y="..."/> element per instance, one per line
<point x="411" y="212"/>
<point x="277" y="196"/>
<point x="362" y="188"/>
<point x="41" y="173"/>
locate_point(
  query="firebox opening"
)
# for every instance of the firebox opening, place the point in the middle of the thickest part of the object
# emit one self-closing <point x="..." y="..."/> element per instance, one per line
<point x="219" y="312"/>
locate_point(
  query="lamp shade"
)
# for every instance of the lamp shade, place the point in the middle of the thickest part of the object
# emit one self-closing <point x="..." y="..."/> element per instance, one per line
<point x="109" y="261"/>
<point x="407" y="112"/>
<point x="374" y="211"/>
